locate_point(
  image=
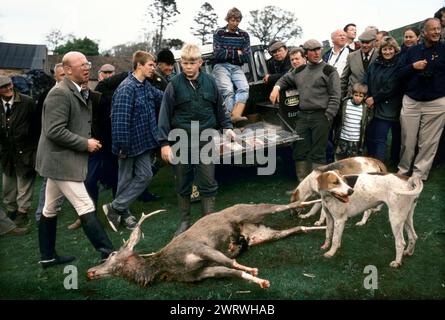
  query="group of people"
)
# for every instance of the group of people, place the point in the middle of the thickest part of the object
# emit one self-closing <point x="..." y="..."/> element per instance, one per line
<point x="350" y="98"/>
<point x="357" y="92"/>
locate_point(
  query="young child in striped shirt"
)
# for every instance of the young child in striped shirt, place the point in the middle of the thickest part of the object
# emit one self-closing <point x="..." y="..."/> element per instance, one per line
<point x="355" y="118"/>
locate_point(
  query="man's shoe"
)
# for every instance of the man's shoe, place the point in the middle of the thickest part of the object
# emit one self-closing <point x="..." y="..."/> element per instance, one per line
<point x="130" y="222"/>
<point x="75" y="225"/>
<point x="11" y="215"/>
<point x="147" y="196"/>
<point x="113" y="216"/>
<point x="21" y="219"/>
<point x="17" y="232"/>
<point x="55" y="261"/>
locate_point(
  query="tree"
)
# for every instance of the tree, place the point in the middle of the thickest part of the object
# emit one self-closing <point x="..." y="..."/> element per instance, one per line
<point x="161" y="13"/>
<point x="126" y="49"/>
<point x="87" y="46"/>
<point x="206" y="21"/>
<point x="54" y="38"/>
<point x="273" y="23"/>
<point x="172" y="43"/>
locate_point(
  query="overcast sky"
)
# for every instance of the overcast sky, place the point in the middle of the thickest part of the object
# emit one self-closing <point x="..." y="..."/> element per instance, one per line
<point x="112" y="22"/>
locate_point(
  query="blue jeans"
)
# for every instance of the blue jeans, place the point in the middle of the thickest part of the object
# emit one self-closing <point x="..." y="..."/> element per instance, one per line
<point x="227" y="76"/>
<point x="134" y="176"/>
<point x="377" y="136"/>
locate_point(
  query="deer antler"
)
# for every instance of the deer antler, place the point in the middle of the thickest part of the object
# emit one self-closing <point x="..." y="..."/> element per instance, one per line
<point x="136" y="235"/>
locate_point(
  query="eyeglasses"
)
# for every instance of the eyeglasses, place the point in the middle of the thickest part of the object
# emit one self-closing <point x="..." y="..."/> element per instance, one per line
<point x="87" y="65"/>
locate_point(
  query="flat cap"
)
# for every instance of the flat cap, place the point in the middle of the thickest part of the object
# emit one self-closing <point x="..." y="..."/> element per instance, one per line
<point x="107" y="68"/>
<point x="4" y="80"/>
<point x="275" y="45"/>
<point x="312" y="44"/>
<point x="367" y="35"/>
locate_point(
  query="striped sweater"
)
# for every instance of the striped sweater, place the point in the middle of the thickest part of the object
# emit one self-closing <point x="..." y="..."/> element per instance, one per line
<point x="226" y="45"/>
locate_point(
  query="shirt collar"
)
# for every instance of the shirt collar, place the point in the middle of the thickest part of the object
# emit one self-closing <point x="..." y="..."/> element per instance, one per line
<point x="77" y="86"/>
<point x="11" y="102"/>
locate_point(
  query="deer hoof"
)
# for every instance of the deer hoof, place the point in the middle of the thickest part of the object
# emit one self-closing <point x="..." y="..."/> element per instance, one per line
<point x="395" y="264"/>
<point x="254" y="272"/>
<point x="361" y="223"/>
<point x="325" y="246"/>
<point x="265" y="284"/>
<point x="329" y="254"/>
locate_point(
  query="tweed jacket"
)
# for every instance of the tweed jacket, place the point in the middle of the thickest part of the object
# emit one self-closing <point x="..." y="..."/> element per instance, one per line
<point x="354" y="71"/>
<point x="18" y="142"/>
<point x="62" y="153"/>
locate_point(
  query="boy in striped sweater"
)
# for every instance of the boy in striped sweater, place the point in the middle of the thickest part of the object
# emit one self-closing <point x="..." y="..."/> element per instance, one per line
<point x="355" y="118"/>
<point x="231" y="49"/>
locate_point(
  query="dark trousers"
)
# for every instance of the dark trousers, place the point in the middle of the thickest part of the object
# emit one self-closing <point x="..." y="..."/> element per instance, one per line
<point x="102" y="167"/>
<point x="313" y="127"/>
<point x="377" y="136"/>
<point x="202" y="175"/>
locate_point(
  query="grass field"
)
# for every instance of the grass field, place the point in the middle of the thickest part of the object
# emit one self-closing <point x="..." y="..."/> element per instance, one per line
<point x="295" y="266"/>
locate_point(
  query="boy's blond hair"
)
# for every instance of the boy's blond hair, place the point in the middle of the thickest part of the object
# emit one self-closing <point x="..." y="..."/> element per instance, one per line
<point x="360" y="88"/>
<point x="190" y="52"/>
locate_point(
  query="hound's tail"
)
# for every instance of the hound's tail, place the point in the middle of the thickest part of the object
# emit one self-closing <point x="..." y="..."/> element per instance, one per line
<point x="416" y="185"/>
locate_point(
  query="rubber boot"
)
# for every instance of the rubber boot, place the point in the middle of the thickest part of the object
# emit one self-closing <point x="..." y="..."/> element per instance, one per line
<point x="237" y="115"/>
<point x="47" y="243"/>
<point x="184" y="212"/>
<point x="302" y="169"/>
<point x="96" y="234"/>
<point x="207" y="205"/>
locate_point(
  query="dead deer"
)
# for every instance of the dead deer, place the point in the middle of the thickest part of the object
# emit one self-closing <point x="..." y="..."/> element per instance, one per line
<point x="205" y="250"/>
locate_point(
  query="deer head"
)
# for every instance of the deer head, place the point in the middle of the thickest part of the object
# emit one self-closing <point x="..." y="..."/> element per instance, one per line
<point x="124" y="261"/>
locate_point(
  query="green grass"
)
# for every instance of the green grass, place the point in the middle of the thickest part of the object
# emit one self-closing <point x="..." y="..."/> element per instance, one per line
<point x="295" y="266"/>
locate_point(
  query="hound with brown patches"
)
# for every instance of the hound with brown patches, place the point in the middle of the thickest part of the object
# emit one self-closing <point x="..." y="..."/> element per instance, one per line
<point x="205" y="250"/>
<point x="309" y="186"/>
<point x="340" y="202"/>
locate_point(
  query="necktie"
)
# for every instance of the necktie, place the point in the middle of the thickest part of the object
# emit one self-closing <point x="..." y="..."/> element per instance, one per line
<point x="8" y="110"/>
<point x="85" y="94"/>
<point x="366" y="62"/>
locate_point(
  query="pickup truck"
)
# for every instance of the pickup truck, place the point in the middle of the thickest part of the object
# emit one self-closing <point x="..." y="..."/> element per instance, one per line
<point x="273" y="124"/>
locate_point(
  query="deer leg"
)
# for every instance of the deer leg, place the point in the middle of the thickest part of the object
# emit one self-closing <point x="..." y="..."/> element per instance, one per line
<point x="255" y="213"/>
<point x="218" y="257"/>
<point x="313" y="211"/>
<point x="261" y="234"/>
<point x="222" y="272"/>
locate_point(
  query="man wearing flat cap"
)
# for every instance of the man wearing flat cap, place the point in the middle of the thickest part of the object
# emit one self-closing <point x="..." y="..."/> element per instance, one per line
<point x="357" y="62"/>
<point x="19" y="136"/>
<point x="106" y="71"/>
<point x="279" y="64"/>
<point x="319" y="87"/>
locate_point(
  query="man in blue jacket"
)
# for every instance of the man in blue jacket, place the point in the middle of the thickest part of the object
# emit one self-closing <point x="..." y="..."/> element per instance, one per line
<point x="134" y="134"/>
<point x="423" y="114"/>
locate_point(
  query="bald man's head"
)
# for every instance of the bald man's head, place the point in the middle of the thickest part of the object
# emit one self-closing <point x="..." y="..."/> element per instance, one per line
<point x="76" y="66"/>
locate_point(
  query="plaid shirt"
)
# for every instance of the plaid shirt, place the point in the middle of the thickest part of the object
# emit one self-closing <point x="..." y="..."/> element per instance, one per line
<point x="134" y="127"/>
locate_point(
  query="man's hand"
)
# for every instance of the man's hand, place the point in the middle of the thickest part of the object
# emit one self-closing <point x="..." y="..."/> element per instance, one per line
<point x="275" y="95"/>
<point x="166" y="154"/>
<point x="266" y="78"/>
<point x="370" y="102"/>
<point x="94" y="145"/>
<point x="420" y="65"/>
<point x="230" y="134"/>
